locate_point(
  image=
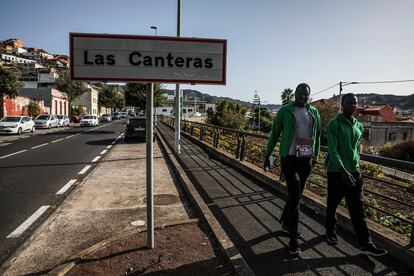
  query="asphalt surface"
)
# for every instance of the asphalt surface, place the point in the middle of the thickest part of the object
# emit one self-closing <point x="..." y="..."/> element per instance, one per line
<point x="249" y="212"/>
<point x="35" y="167"/>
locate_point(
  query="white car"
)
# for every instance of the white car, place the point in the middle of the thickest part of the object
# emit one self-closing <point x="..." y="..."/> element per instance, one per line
<point x="106" y="118"/>
<point x="16" y="124"/>
<point x="89" y="120"/>
<point x="46" y="121"/>
<point x="63" y="120"/>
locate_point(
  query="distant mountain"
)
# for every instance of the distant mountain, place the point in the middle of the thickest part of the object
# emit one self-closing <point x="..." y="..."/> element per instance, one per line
<point x="399" y="102"/>
<point x="190" y="95"/>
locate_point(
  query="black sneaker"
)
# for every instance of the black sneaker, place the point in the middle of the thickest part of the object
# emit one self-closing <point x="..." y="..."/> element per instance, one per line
<point x="331" y="238"/>
<point x="285" y="229"/>
<point x="371" y="249"/>
<point x="294" y="248"/>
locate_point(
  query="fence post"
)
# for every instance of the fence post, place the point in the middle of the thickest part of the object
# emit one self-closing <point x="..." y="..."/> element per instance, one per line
<point x="238" y="146"/>
<point x="201" y="133"/>
<point x="412" y="234"/>
<point x="243" y="147"/>
<point x="192" y="130"/>
<point x="218" y="138"/>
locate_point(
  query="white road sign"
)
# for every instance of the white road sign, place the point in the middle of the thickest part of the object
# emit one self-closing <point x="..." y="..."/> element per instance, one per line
<point x="108" y="57"/>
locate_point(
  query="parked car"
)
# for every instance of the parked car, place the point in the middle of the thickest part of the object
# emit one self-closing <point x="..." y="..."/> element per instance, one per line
<point x="106" y="118"/>
<point x="63" y="120"/>
<point x="89" y="120"/>
<point x="16" y="124"/>
<point x="123" y="115"/>
<point x="46" y="121"/>
<point x="135" y="128"/>
<point x="116" y="116"/>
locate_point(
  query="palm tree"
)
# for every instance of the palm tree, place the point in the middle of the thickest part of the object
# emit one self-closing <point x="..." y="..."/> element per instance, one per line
<point x="9" y="86"/>
<point x="287" y="96"/>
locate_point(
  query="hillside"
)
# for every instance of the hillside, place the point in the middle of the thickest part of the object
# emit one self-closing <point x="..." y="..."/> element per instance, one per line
<point x="189" y="95"/>
<point x="399" y="102"/>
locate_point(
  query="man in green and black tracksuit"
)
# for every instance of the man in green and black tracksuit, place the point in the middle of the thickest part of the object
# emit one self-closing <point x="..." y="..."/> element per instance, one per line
<point x="299" y="125"/>
<point x="344" y="177"/>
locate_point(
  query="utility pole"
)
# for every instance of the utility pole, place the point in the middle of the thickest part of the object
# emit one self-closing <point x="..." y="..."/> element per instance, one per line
<point x="340" y="96"/>
<point x="177" y="91"/>
<point x="259" y="114"/>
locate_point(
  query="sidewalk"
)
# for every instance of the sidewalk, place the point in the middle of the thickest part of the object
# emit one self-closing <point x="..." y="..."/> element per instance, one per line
<point x="102" y="208"/>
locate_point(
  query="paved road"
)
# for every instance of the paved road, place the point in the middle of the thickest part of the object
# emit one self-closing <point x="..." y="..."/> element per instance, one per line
<point x="36" y="170"/>
<point x="249" y="213"/>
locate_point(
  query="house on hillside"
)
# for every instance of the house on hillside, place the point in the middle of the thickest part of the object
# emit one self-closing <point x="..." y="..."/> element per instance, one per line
<point x="380" y="133"/>
<point x="380" y="113"/>
<point x="88" y="101"/>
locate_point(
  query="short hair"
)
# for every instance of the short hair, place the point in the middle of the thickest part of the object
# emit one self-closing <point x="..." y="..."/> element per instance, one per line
<point x="347" y="96"/>
<point x="304" y="86"/>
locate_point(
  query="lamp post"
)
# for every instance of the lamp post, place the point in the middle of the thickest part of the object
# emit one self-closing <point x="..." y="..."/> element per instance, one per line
<point x="259" y="110"/>
<point x="155" y="29"/>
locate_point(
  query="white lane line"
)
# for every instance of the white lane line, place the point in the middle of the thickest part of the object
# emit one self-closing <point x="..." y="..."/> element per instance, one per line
<point x="13" y="154"/>
<point x="57" y="140"/>
<point x="42" y="145"/>
<point x="108" y="147"/>
<point x="103" y="152"/>
<point x="70" y="136"/>
<point x="84" y="170"/>
<point x="66" y="187"/>
<point x="96" y="159"/>
<point x="113" y="143"/>
<point x="25" y="225"/>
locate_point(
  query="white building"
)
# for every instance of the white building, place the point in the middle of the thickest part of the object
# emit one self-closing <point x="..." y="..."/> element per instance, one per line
<point x="88" y="101"/>
<point x="10" y="59"/>
<point x="188" y="111"/>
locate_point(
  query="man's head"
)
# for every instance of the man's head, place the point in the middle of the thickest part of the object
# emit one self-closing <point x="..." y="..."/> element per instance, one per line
<point x="349" y="103"/>
<point x="302" y="93"/>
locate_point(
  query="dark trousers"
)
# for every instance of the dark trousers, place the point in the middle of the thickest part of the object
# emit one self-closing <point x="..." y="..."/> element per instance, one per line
<point x="354" y="200"/>
<point x="296" y="171"/>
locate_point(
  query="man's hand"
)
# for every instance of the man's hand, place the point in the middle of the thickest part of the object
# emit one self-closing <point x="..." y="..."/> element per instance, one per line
<point x="348" y="179"/>
<point x="266" y="165"/>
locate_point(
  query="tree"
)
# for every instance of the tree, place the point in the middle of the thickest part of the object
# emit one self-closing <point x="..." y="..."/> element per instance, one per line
<point x="33" y="109"/>
<point x="73" y="89"/>
<point x="136" y="95"/>
<point x="327" y="109"/>
<point x="228" y="114"/>
<point x="107" y="97"/>
<point x="265" y="120"/>
<point x="287" y="96"/>
<point x="9" y="87"/>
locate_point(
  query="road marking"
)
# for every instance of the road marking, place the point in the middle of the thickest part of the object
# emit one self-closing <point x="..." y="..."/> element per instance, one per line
<point x="35" y="147"/>
<point x="96" y="159"/>
<point x="66" y="187"/>
<point x="103" y="152"/>
<point x="108" y="147"/>
<point x="113" y="143"/>
<point x="57" y="140"/>
<point x="71" y="136"/>
<point x="13" y="154"/>
<point x="25" y="225"/>
<point x="84" y="170"/>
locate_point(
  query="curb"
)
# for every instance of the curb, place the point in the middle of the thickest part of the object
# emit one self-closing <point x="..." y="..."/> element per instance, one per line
<point x="396" y="244"/>
<point x="226" y="246"/>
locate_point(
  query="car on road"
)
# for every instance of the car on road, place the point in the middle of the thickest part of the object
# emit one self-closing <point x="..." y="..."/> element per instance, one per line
<point x="106" y="118"/>
<point x="89" y="120"/>
<point x="135" y="128"/>
<point x="116" y="116"/>
<point x="17" y="124"/>
<point x="46" y="121"/>
<point x="63" y="120"/>
<point x="123" y="115"/>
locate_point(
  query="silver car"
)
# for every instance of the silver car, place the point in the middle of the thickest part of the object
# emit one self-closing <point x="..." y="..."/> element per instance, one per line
<point x="63" y="120"/>
<point x="46" y="121"/>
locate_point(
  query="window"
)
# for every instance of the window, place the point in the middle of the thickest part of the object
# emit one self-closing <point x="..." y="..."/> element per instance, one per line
<point x="60" y="103"/>
<point x="164" y="110"/>
<point x="190" y="110"/>
<point x="392" y="137"/>
<point x="405" y="134"/>
<point x="56" y="107"/>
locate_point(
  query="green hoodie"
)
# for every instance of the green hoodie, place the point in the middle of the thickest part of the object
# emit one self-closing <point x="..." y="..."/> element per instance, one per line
<point x="285" y="123"/>
<point x="344" y="139"/>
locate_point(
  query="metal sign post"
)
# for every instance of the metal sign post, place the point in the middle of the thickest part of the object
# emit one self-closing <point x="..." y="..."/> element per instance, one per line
<point x="177" y="92"/>
<point x="150" y="171"/>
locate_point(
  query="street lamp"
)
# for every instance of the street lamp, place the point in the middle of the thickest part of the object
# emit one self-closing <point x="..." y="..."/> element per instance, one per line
<point x="155" y="29"/>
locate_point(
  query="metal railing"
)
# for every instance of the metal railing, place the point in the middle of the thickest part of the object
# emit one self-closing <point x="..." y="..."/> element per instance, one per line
<point x="391" y="198"/>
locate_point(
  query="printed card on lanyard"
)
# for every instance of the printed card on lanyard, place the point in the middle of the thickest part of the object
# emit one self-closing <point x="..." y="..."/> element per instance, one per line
<point x="304" y="147"/>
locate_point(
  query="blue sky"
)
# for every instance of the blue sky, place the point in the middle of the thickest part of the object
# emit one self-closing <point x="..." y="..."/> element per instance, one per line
<point x="272" y="45"/>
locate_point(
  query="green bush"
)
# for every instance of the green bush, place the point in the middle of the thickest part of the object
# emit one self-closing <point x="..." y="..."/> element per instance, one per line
<point x="402" y="151"/>
<point x="369" y="169"/>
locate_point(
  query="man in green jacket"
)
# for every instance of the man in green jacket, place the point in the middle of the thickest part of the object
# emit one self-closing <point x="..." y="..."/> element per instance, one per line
<point x="299" y="124"/>
<point x="344" y="177"/>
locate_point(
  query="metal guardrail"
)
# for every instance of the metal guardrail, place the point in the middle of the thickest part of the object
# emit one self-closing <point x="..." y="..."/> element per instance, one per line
<point x="251" y="147"/>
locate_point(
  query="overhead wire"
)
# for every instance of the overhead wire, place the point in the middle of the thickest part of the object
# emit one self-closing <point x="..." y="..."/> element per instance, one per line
<point x="323" y="90"/>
